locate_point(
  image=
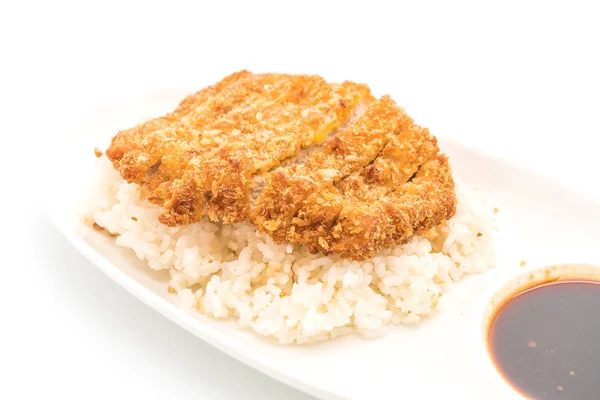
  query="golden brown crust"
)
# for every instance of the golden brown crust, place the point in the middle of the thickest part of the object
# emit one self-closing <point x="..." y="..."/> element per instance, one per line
<point x="291" y="193"/>
<point x="287" y="153"/>
<point x="199" y="159"/>
<point x="369" y="224"/>
<point x="350" y="210"/>
<point x="405" y="151"/>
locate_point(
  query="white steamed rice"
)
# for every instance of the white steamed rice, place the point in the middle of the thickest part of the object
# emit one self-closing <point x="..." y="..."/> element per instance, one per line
<point x="283" y="291"/>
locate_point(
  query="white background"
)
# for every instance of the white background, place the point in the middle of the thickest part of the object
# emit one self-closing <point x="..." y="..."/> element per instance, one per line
<point x="518" y="80"/>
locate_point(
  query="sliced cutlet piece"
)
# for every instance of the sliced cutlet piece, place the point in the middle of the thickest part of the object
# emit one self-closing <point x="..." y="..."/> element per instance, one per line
<point x="355" y="199"/>
<point x="405" y="150"/>
<point x="139" y="152"/>
<point x="301" y="157"/>
<point x="404" y="153"/>
<point x="219" y="183"/>
<point x="289" y="191"/>
<point x="370" y="221"/>
<point x="156" y="152"/>
<point x="201" y="158"/>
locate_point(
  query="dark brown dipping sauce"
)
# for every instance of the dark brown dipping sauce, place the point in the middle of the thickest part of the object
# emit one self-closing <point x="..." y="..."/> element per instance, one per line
<point x="546" y="341"/>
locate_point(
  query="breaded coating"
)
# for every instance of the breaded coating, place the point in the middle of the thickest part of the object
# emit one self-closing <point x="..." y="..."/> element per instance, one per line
<point x="307" y="161"/>
<point x="389" y="184"/>
<point x="200" y="159"/>
<point x="308" y="186"/>
<point x="370" y="223"/>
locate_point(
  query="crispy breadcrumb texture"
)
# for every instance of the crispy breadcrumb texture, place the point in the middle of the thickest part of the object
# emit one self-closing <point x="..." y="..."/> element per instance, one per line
<point x="307" y="161"/>
<point x="386" y="185"/>
<point x="199" y="159"/>
<point x="368" y="224"/>
<point x="293" y="192"/>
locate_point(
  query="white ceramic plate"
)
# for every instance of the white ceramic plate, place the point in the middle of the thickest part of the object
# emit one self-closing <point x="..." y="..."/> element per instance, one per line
<point x="443" y="357"/>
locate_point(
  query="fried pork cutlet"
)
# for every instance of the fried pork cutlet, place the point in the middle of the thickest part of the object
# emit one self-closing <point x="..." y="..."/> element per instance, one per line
<point x="374" y="185"/>
<point x="206" y="157"/>
<point x="304" y="160"/>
